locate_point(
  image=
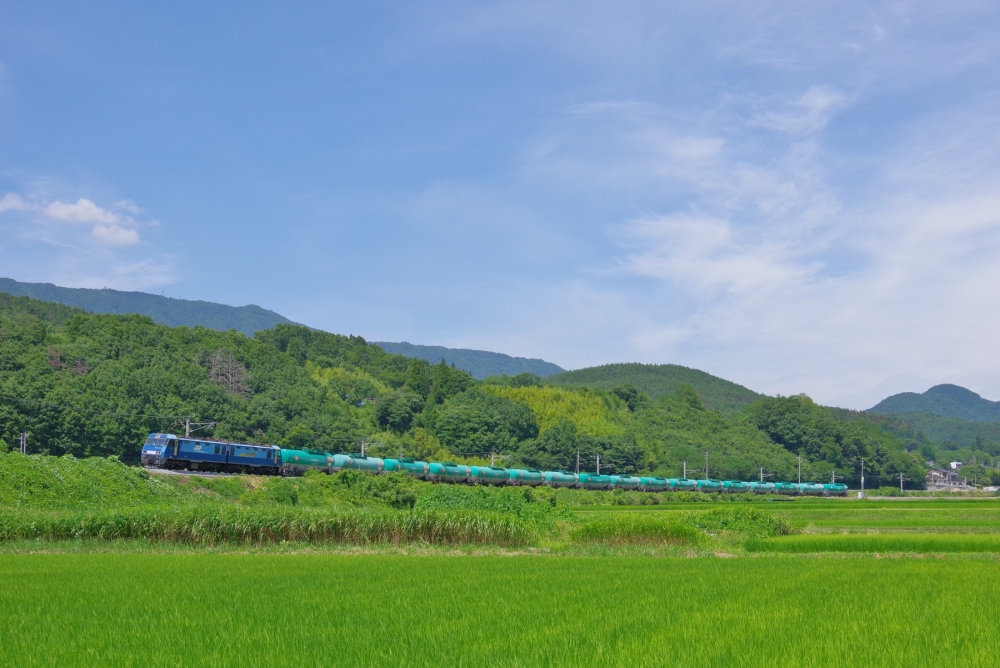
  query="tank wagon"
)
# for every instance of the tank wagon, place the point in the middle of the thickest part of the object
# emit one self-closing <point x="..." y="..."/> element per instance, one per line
<point x="168" y="451"/>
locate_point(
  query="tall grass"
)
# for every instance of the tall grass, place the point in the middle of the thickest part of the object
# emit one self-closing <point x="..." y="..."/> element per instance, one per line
<point x="743" y="520"/>
<point x="211" y="525"/>
<point x="877" y="543"/>
<point x="635" y="529"/>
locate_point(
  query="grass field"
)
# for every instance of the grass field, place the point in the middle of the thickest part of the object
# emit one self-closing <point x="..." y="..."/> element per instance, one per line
<point x="259" y="609"/>
<point x="926" y="515"/>
<point x="104" y="565"/>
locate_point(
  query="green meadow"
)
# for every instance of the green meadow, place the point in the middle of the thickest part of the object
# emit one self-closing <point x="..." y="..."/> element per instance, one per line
<point x="195" y="608"/>
<point x="101" y="564"/>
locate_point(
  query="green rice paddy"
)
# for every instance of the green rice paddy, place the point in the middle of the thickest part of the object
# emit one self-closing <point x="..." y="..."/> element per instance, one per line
<point x="811" y="582"/>
<point x="292" y="610"/>
<point x="881" y="543"/>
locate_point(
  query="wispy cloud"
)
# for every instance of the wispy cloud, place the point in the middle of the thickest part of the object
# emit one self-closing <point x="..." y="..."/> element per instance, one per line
<point x="115" y="235"/>
<point x="112" y="228"/>
<point x="79" y="242"/>
<point x="81" y="211"/>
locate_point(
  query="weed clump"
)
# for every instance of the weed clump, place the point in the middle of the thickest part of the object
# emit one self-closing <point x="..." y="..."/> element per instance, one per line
<point x="743" y="520"/>
<point x="635" y="529"/>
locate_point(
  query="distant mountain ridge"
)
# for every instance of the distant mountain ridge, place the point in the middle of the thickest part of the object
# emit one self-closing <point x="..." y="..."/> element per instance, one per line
<point x="479" y="363"/>
<point x="945" y="400"/>
<point x="657" y="380"/>
<point x="164" y="310"/>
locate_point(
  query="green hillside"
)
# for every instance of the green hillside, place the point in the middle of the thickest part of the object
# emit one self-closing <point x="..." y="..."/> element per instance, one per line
<point x="964" y="433"/>
<point x="164" y="310"/>
<point x="658" y="380"/>
<point x="479" y="363"/>
<point x="946" y="400"/>
<point x="89" y="384"/>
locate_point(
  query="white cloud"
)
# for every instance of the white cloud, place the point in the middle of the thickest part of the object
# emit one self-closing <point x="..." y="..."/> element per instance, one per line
<point x="804" y="115"/>
<point x="115" y="235"/>
<point x="13" y="202"/>
<point x="707" y="256"/>
<point x="128" y="206"/>
<point x="81" y="211"/>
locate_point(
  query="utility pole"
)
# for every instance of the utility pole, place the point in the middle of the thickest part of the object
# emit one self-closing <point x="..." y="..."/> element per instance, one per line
<point x="362" y="448"/>
<point x="833" y="476"/>
<point x="198" y="426"/>
<point x="862" y="478"/>
<point x="706" y="465"/>
<point x="578" y="462"/>
<point x="598" y="465"/>
<point x="800" y="469"/>
<point x="762" y="474"/>
<point x="901" y="479"/>
<point x="24" y="443"/>
<point x="492" y="459"/>
<point x="685" y="468"/>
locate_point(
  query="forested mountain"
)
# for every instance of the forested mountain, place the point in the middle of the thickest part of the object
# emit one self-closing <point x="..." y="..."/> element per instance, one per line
<point x="945" y="400"/>
<point x="479" y="363"/>
<point x="164" y="310"/>
<point x="96" y="384"/>
<point x="658" y="380"/>
<point x="954" y="434"/>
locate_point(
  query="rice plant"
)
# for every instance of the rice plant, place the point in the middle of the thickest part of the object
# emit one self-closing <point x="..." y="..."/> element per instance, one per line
<point x="197" y="608"/>
<point x="878" y="543"/>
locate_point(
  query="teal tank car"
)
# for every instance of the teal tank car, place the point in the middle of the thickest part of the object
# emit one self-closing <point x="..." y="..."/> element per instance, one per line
<point x="811" y="489"/>
<point x="709" y="485"/>
<point x="529" y="477"/>
<point x="448" y="472"/>
<point x="561" y="478"/>
<point x="761" y="487"/>
<point x="594" y="481"/>
<point x="488" y="475"/>
<point x="653" y="484"/>
<point x="682" y="485"/>
<point x="787" y="488"/>
<point x="359" y="462"/>
<point x="735" y="486"/>
<point x="628" y="482"/>
<point x="410" y="467"/>
<point x="834" y="489"/>
<point x="297" y="462"/>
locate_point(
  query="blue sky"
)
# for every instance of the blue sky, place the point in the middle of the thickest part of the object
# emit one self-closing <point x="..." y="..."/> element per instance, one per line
<point x="797" y="197"/>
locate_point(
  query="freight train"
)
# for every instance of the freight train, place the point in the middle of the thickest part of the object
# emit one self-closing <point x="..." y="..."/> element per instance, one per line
<point x="168" y="451"/>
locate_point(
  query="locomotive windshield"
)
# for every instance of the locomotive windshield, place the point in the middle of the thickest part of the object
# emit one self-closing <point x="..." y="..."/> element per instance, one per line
<point x="158" y="442"/>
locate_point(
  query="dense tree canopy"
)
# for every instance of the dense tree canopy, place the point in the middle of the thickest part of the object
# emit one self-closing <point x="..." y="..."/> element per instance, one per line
<point x="91" y="384"/>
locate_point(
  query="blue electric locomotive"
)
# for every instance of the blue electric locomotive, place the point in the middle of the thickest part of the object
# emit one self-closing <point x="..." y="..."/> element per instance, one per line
<point x="168" y="451"/>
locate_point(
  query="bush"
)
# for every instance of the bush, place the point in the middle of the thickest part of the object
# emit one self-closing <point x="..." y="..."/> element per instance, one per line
<point x="44" y="481"/>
